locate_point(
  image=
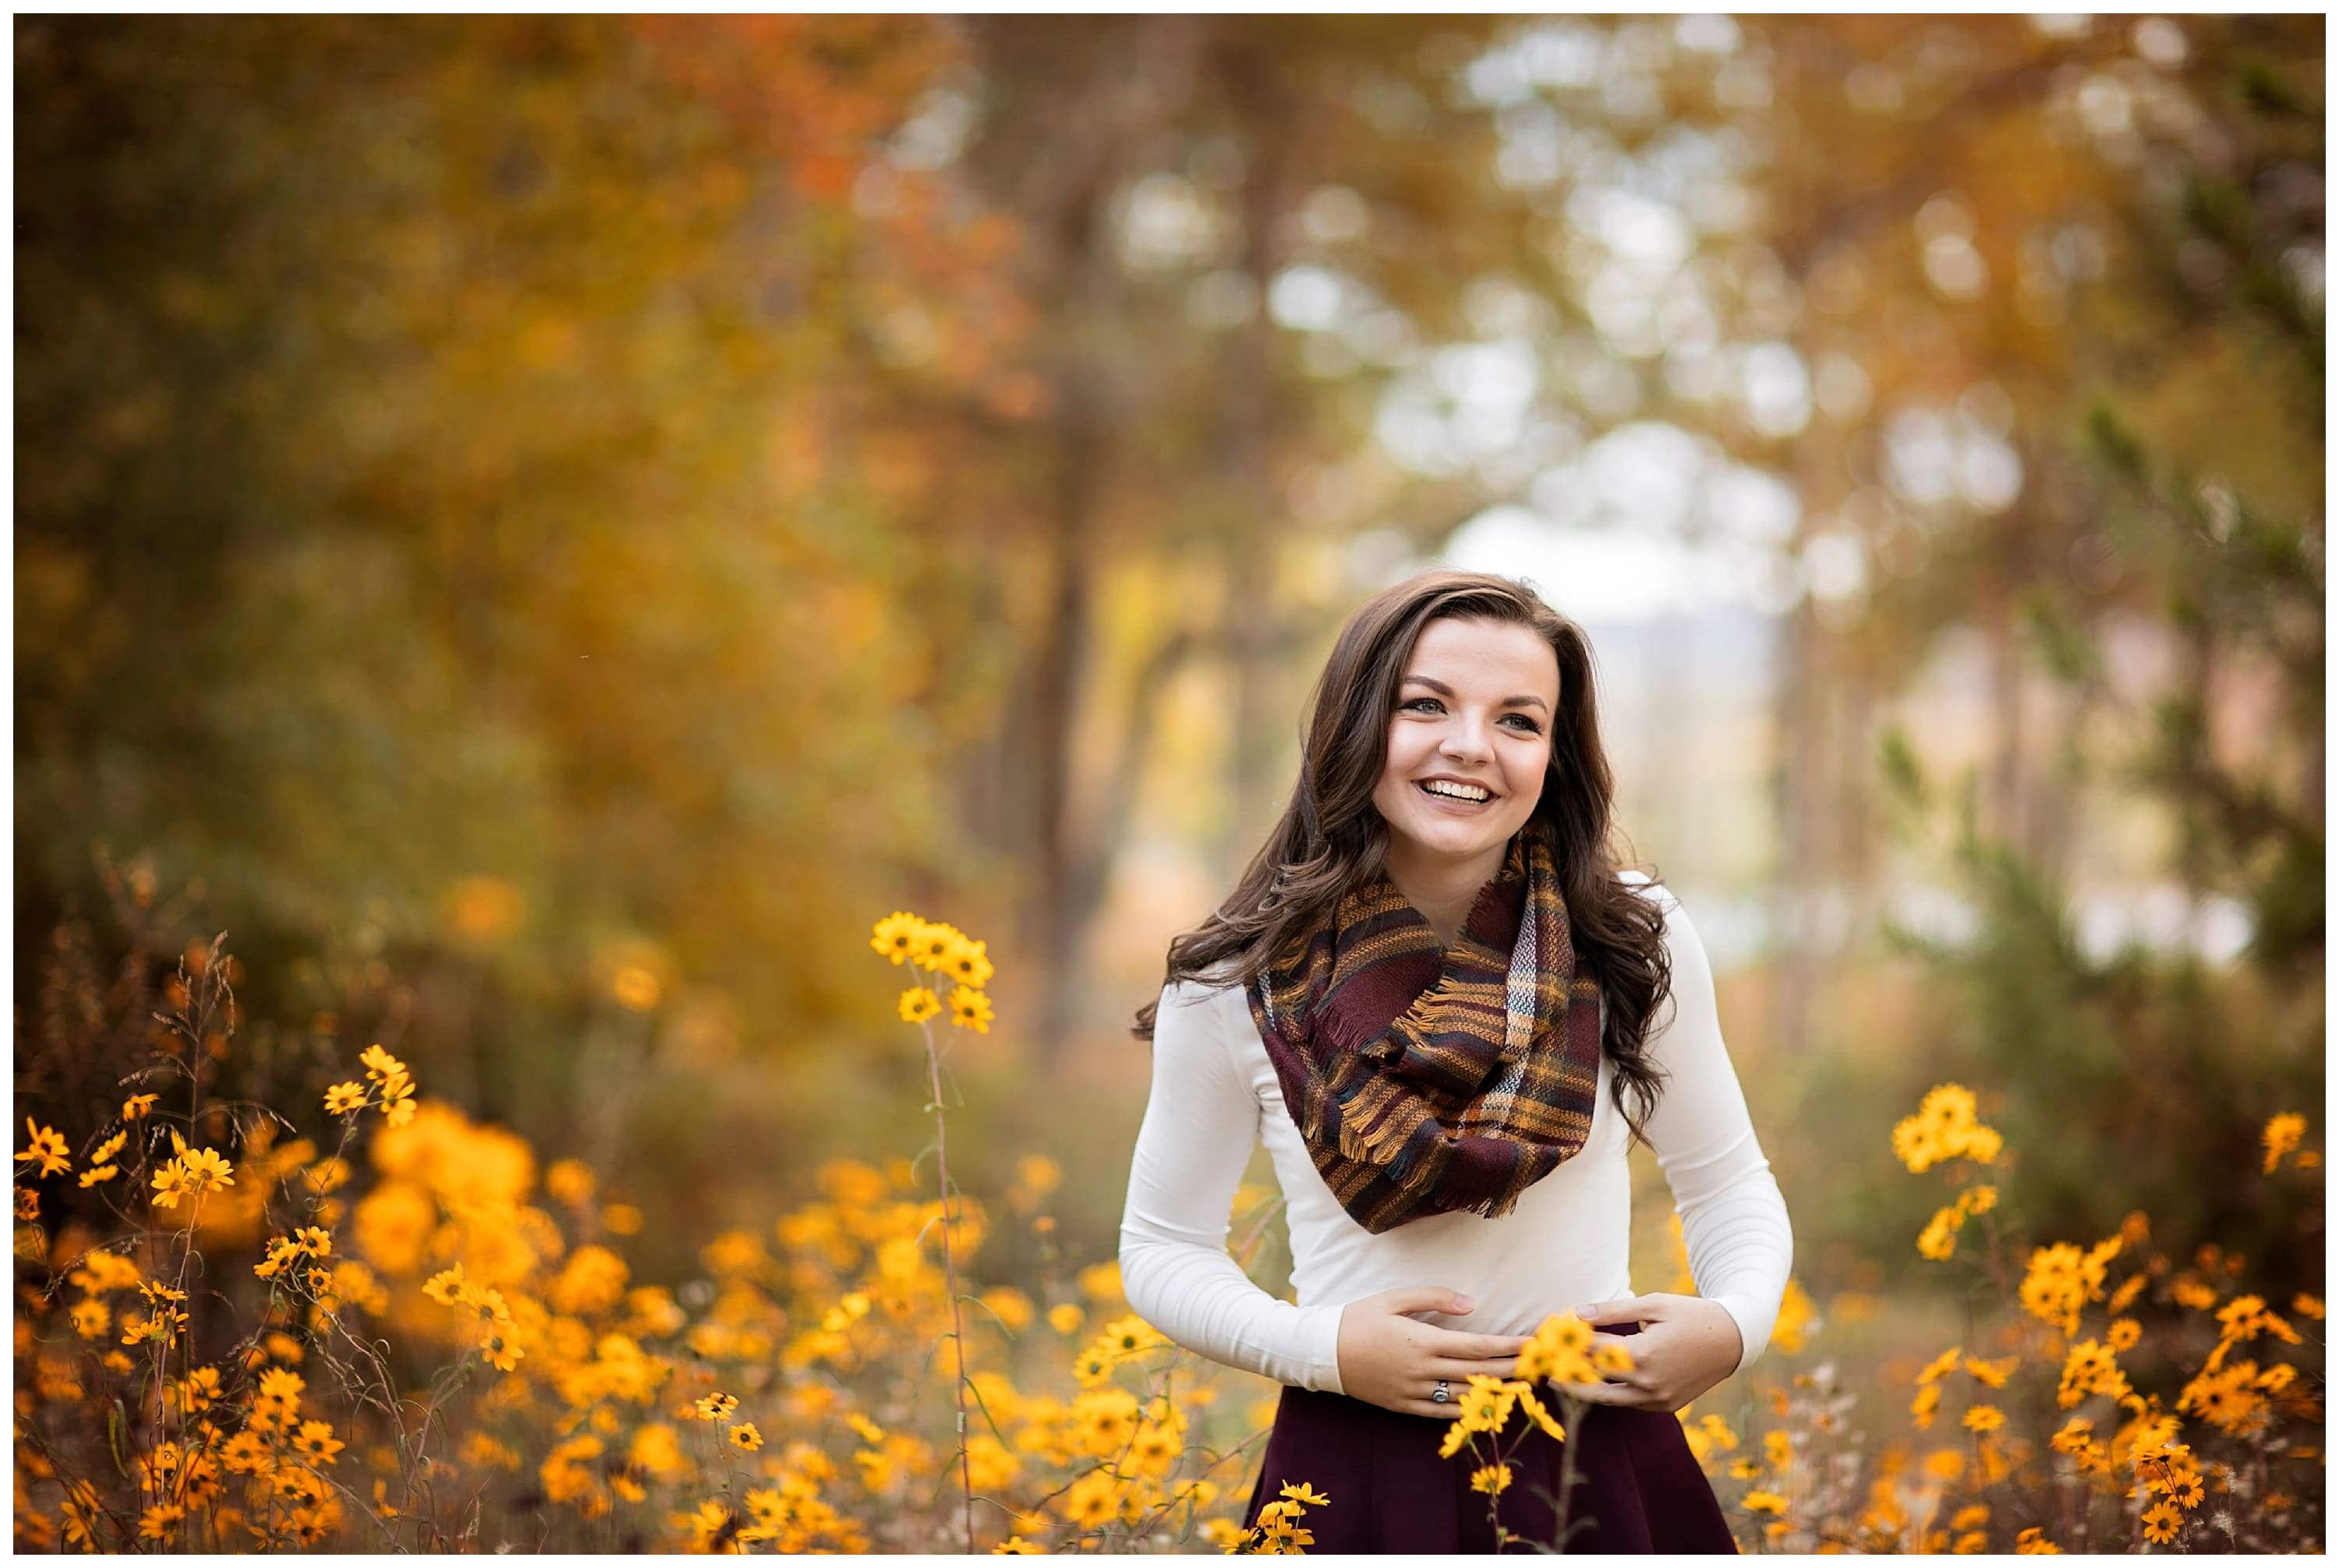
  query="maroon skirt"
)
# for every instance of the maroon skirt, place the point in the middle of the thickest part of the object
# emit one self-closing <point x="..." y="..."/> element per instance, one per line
<point x="1636" y="1487"/>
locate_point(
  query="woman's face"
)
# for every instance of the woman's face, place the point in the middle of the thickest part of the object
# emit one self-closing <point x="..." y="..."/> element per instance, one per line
<point x="1474" y="712"/>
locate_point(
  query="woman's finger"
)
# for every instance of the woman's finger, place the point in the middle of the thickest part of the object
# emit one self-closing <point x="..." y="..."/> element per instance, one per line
<point x="1456" y="1368"/>
<point x="1456" y="1345"/>
<point x="1603" y="1393"/>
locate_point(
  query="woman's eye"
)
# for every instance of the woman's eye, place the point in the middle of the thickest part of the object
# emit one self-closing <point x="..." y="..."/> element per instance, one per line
<point x="1527" y="726"/>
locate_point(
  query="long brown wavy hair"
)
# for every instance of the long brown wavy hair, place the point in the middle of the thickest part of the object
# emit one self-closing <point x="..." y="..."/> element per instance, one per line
<point x="1332" y="838"/>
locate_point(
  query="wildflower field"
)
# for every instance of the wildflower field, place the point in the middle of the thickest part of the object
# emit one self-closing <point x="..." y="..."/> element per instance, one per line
<point x="348" y="1317"/>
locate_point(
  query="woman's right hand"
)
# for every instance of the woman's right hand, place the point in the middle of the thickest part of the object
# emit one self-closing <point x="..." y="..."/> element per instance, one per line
<point x="1395" y="1361"/>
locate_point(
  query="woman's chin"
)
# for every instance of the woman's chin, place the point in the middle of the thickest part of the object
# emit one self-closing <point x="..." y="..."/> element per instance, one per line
<point x="1457" y="837"/>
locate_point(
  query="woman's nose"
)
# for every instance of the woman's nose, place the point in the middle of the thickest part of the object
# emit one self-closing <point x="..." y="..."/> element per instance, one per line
<point x="1467" y="739"/>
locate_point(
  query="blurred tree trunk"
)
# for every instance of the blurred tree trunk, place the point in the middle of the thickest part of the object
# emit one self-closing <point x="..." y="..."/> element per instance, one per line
<point x="1129" y="79"/>
<point x="1244" y="447"/>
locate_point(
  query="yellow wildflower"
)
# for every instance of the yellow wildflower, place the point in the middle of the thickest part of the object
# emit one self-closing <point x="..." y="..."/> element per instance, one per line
<point x="896" y="936"/>
<point x="931" y="946"/>
<point x="971" y="1009"/>
<point x="194" y="1394"/>
<point x="344" y="1098"/>
<point x="969" y="963"/>
<point x="1040" y="1173"/>
<point x="47" y="1145"/>
<point x="315" y="1441"/>
<point x="744" y="1436"/>
<point x="1280" y="1534"/>
<point x="137" y="1106"/>
<point x="1939" y="1240"/>
<point x="2224" y="1398"/>
<point x="1992" y="1374"/>
<point x="2123" y="1334"/>
<point x="2089" y="1368"/>
<point x="634" y="988"/>
<point x="192" y="1173"/>
<point x="2161" y="1523"/>
<point x="103" y="1272"/>
<point x="2282" y="1135"/>
<point x="1065" y="1317"/>
<point x="2033" y="1543"/>
<point x="2194" y="1293"/>
<point x="2307" y="1306"/>
<point x="1984" y="1419"/>
<point x="1132" y="1335"/>
<point x="1944" y="1127"/>
<point x="1763" y="1503"/>
<point x="1928" y="1400"/>
<point x="2245" y="1317"/>
<point x="1536" y="1413"/>
<point x="918" y="1004"/>
<point x="1490" y="1479"/>
<point x="1559" y="1350"/>
<point x="2060" y="1279"/>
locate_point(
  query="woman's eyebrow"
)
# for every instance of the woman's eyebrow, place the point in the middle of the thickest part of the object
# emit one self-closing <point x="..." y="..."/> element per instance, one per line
<point x="1443" y="690"/>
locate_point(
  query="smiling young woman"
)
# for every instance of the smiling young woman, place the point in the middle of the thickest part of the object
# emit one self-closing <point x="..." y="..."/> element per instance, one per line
<point x="1433" y="996"/>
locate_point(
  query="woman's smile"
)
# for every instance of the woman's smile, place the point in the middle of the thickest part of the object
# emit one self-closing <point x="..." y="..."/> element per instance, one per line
<point x="1456" y="804"/>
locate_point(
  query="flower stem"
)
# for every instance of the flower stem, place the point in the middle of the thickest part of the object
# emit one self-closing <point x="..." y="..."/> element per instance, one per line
<point x="950" y="1275"/>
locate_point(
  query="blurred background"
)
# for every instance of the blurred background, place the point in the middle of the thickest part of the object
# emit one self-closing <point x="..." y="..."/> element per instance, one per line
<point x="544" y="529"/>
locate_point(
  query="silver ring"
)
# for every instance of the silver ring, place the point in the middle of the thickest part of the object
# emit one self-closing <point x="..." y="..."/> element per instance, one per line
<point x="1441" y="1394"/>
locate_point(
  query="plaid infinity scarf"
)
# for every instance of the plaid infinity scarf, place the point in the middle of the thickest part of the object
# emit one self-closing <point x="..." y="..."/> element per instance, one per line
<point x="1427" y="1081"/>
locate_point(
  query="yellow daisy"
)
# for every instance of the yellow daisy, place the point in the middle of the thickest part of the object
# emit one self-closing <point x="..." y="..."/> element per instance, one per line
<point x="970" y="1009"/>
<point x="934" y="942"/>
<point x="47" y="1145"/>
<point x="896" y="936"/>
<point x="969" y="963"/>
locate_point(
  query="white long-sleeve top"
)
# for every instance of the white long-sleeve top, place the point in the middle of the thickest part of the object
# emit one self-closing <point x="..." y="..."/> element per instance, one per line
<point x="1565" y="1245"/>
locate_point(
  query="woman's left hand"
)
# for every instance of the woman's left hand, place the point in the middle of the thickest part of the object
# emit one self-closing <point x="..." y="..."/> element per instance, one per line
<point x="1686" y="1345"/>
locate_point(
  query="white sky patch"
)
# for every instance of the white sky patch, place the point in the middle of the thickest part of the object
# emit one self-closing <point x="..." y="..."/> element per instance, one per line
<point x="1614" y="574"/>
<point x="1647" y="521"/>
